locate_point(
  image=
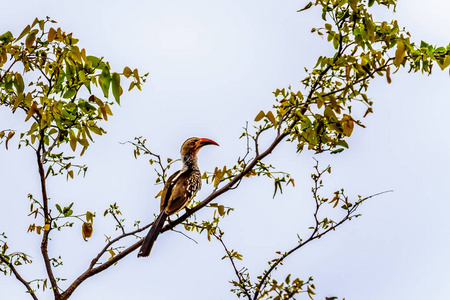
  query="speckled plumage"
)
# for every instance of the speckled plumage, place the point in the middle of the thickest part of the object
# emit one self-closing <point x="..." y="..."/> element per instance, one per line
<point x="179" y="189"/>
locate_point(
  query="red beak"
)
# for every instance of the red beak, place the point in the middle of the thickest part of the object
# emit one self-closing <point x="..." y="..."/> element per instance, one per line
<point x="204" y="142"/>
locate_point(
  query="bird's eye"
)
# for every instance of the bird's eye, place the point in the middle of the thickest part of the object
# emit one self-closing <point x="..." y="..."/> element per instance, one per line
<point x="192" y="144"/>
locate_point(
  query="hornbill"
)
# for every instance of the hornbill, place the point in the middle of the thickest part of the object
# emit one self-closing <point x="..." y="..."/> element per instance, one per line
<point x="179" y="189"/>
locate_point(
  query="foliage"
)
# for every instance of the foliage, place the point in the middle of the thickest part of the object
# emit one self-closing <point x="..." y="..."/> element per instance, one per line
<point x="63" y="94"/>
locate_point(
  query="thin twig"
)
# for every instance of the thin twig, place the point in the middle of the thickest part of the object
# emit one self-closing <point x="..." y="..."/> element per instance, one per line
<point x="238" y="274"/>
<point x="111" y="242"/>
<point x="182" y="233"/>
<point x="118" y="222"/>
<point x="20" y="278"/>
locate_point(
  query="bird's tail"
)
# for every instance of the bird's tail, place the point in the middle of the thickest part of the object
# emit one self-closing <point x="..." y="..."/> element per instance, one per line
<point x="152" y="235"/>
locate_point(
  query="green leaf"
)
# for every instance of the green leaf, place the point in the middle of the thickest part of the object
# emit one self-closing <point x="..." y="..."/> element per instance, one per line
<point x="96" y="62"/>
<point x="116" y="87"/>
<point x="58" y="207"/>
<point x="105" y="81"/>
<point x="371" y="2"/>
<point x="18" y="83"/>
<point x="308" y="6"/>
<point x="69" y="93"/>
<point x="342" y="143"/>
<point x="337" y="151"/>
<point x="7" y="37"/>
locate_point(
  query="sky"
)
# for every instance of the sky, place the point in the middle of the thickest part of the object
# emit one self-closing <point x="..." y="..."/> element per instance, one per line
<point x="213" y="65"/>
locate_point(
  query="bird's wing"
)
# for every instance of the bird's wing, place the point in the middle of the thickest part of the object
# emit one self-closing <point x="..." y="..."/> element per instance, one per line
<point x="167" y="191"/>
<point x="185" y="188"/>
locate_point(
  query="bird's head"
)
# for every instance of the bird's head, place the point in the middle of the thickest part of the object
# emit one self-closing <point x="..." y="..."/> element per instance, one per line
<point x="189" y="151"/>
<point x="192" y="145"/>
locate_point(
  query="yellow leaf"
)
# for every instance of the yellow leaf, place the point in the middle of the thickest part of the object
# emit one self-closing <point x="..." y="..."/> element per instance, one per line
<point x="4" y="56"/>
<point x="112" y="253"/>
<point x="17" y="101"/>
<point x="29" y="41"/>
<point x="76" y="54"/>
<point x="388" y="75"/>
<point x="87" y="230"/>
<point x="320" y="102"/>
<point x="46" y="227"/>
<point x="51" y="34"/>
<point x="347" y="125"/>
<point x="127" y="72"/>
<point x="259" y="116"/>
<point x="108" y="109"/>
<point x="104" y="114"/>
<point x="221" y="210"/>
<point x="446" y="63"/>
<point x="83" y="55"/>
<point x="24" y="32"/>
<point x="28" y="99"/>
<point x="132" y="85"/>
<point x="353" y="4"/>
<point x="271" y="118"/>
<point x="159" y="194"/>
<point x="10" y="135"/>
<point x="72" y="141"/>
<point x="399" y="53"/>
<point x="136" y="76"/>
<point x="89" y="217"/>
<point x="31" y="111"/>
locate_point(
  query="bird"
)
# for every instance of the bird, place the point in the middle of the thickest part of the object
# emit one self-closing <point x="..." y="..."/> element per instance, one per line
<point x="178" y="190"/>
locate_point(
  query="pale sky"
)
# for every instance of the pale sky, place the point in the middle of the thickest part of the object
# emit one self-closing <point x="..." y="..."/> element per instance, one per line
<point x="213" y="66"/>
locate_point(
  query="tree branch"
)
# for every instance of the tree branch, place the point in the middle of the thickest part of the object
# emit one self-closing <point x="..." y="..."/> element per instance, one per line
<point x="110" y="243"/>
<point x="238" y="274"/>
<point x="47" y="219"/>
<point x="20" y="278"/>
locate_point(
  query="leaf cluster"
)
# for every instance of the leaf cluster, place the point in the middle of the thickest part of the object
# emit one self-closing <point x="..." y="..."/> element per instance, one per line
<point x="57" y="85"/>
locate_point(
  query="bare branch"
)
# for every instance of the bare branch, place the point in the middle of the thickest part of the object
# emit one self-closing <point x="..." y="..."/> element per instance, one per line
<point x="230" y="257"/>
<point x="315" y="234"/>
